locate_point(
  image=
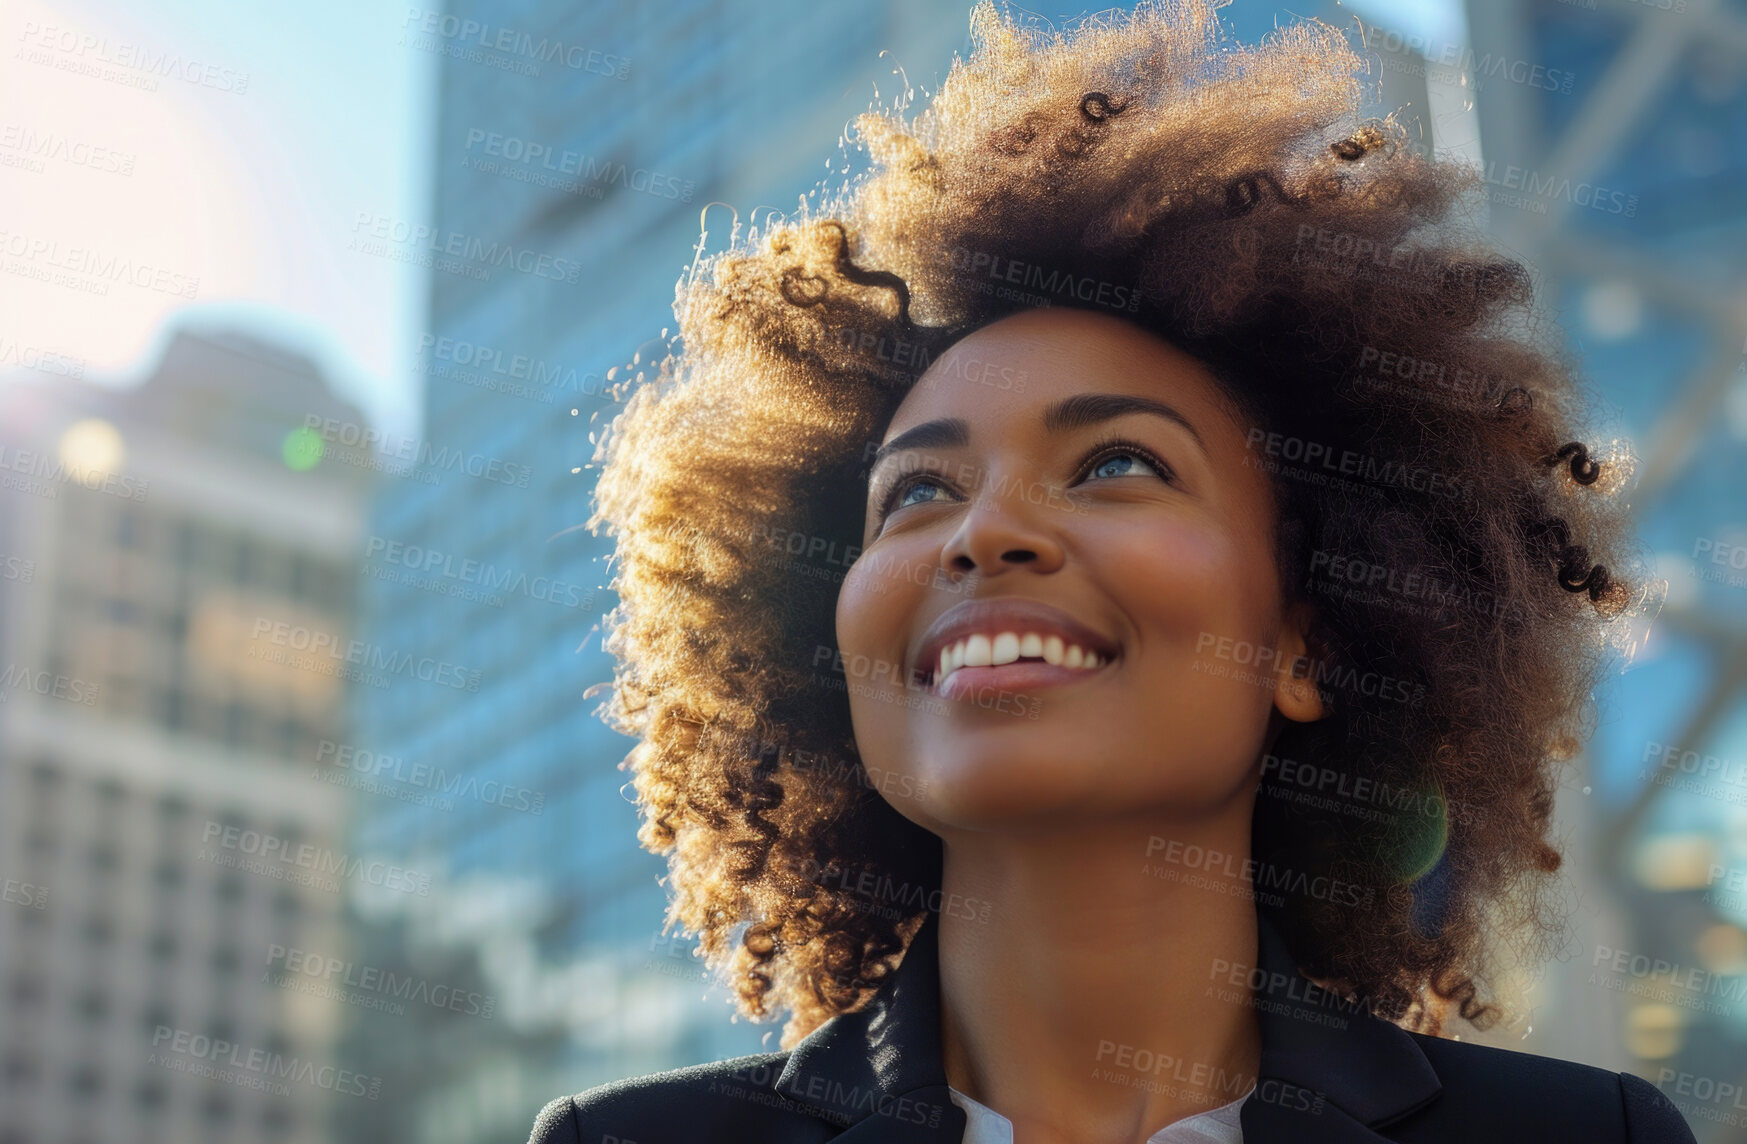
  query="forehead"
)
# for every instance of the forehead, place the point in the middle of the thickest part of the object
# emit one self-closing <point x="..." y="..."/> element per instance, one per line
<point x="1035" y="356"/>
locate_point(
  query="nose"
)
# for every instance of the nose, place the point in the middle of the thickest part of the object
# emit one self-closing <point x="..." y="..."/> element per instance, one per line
<point x="998" y="533"/>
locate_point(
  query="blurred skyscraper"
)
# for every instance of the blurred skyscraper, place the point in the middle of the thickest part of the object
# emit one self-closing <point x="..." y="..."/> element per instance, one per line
<point x="576" y="146"/>
<point x="1611" y="139"/>
<point x="151" y="739"/>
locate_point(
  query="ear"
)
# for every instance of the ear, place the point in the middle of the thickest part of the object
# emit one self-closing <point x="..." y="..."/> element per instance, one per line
<point x="1295" y="691"/>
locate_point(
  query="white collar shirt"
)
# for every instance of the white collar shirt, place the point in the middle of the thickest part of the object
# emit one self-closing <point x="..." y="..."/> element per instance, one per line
<point x="983" y="1125"/>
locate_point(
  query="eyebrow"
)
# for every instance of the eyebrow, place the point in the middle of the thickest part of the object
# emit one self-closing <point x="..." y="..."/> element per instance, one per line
<point x="1074" y="412"/>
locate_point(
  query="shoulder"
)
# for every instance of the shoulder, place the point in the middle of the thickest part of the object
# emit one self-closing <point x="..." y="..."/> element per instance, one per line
<point x="721" y="1100"/>
<point x="1511" y="1092"/>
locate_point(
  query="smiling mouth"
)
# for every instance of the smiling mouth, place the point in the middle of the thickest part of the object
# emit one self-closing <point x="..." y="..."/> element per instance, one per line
<point x="972" y="665"/>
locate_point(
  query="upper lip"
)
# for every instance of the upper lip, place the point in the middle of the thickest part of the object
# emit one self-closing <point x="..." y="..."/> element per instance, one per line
<point x="1005" y="614"/>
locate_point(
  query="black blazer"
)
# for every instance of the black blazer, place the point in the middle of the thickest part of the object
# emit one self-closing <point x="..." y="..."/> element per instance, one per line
<point x="1330" y="1074"/>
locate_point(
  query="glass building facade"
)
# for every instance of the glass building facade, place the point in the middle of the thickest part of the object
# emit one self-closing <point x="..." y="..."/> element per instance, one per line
<point x="575" y="148"/>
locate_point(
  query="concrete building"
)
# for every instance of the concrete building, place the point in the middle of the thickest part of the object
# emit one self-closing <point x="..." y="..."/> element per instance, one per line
<point x="153" y="735"/>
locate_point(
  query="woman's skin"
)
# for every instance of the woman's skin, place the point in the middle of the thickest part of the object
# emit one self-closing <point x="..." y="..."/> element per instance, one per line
<point x="1089" y="954"/>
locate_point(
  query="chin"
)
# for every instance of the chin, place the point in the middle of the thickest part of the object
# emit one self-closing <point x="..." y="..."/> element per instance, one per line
<point x="995" y="787"/>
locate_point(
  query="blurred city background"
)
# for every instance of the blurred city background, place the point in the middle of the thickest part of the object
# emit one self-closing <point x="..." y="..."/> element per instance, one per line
<point x="306" y="323"/>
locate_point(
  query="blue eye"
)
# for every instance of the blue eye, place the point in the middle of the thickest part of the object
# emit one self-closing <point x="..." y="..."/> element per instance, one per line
<point x="1109" y="458"/>
<point x="898" y="496"/>
<point x="1121" y="461"/>
<point x="904" y="496"/>
<point x="1113" y="466"/>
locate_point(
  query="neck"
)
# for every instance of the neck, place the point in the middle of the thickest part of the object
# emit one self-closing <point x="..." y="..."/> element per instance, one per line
<point x="1081" y="1003"/>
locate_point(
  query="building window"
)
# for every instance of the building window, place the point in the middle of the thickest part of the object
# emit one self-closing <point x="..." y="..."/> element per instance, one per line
<point x="105" y="857"/>
<point x="26" y="992"/>
<point x="93" y="1006"/>
<point x="99" y="930"/>
<point x="85" y="1082"/>
<point x="230" y="887"/>
<point x="276" y="1120"/>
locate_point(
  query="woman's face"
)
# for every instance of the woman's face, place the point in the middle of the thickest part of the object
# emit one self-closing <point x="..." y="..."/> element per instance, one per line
<point x="1064" y="478"/>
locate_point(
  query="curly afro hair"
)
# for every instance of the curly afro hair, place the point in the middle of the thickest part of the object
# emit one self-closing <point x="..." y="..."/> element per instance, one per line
<point x="1231" y="200"/>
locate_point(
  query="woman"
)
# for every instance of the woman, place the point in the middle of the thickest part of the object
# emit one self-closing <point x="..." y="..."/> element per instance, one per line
<point x="1105" y="602"/>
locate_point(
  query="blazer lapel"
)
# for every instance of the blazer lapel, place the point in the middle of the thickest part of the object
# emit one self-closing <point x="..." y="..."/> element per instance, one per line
<point x="1330" y="1073"/>
<point x="878" y="1071"/>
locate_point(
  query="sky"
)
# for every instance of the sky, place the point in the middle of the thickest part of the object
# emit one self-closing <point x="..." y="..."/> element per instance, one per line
<point x="236" y="192"/>
<point x="231" y="190"/>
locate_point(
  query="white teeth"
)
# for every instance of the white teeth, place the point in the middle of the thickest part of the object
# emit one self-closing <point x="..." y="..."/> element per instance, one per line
<point x="981" y="650"/>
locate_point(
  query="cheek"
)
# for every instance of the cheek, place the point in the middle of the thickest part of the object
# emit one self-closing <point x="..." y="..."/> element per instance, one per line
<point x="1182" y="581"/>
<point x="862" y="600"/>
<point x="875" y="605"/>
<point x="1205" y="630"/>
<point x="872" y="617"/>
<point x="881" y="595"/>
